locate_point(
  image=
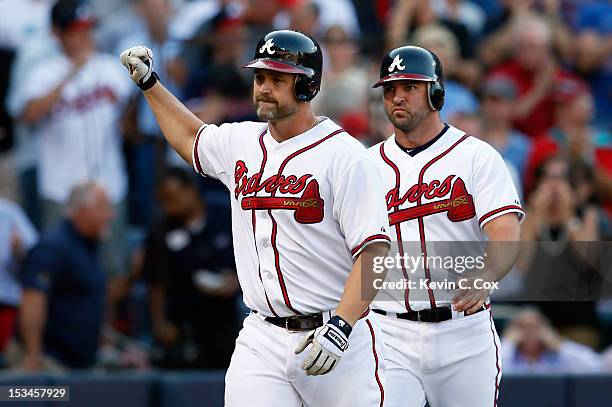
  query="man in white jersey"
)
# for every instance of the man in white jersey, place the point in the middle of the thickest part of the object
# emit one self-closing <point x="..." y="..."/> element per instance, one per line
<point x="441" y="185"/>
<point x="308" y="218"/>
<point x="75" y="98"/>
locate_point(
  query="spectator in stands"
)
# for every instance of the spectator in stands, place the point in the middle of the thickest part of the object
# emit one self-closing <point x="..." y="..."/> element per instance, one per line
<point x="24" y="29"/>
<point x="531" y="345"/>
<point x="464" y="12"/>
<point x="458" y="98"/>
<point x="534" y="71"/>
<point x="64" y="286"/>
<point x="259" y="16"/>
<point x="334" y="13"/>
<point x="574" y="135"/>
<point x="315" y="17"/>
<point x="17" y="236"/>
<point x="346" y="84"/>
<point x="117" y="19"/>
<point x="404" y="16"/>
<point x="217" y="44"/>
<point x="559" y="258"/>
<point x="227" y="98"/>
<point x="498" y="96"/>
<point x="500" y="29"/>
<point x="8" y="176"/>
<point x="78" y="96"/>
<point x="21" y="19"/>
<point x="573" y="131"/>
<point x="593" y="55"/>
<point x="409" y="16"/>
<point x="39" y="45"/>
<point x="304" y="17"/>
<point x="190" y="269"/>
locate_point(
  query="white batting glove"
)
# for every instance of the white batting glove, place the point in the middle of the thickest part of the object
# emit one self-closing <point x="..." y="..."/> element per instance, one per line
<point x="139" y="62"/>
<point x="328" y="345"/>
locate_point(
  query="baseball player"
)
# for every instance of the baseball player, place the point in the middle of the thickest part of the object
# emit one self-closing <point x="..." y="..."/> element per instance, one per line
<point x="441" y="185"/>
<point x="305" y="231"/>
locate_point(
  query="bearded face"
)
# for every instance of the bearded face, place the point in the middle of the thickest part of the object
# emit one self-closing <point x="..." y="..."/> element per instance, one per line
<point x="406" y="103"/>
<point x="273" y="97"/>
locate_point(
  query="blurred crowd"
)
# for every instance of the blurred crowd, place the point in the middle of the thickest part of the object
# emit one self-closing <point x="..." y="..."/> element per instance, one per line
<point x="113" y="255"/>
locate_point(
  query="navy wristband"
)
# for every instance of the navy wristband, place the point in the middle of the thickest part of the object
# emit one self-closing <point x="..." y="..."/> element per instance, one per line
<point x="148" y="84"/>
<point x="341" y="324"/>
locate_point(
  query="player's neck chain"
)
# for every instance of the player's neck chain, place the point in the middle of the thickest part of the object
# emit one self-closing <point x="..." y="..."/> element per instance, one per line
<point x="313" y="123"/>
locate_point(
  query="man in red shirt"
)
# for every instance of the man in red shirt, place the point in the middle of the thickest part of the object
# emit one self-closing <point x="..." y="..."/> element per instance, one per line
<point x="534" y="71"/>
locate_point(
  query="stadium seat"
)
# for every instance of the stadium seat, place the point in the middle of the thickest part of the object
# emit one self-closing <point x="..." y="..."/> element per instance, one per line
<point x="25" y="380"/>
<point x="99" y="390"/>
<point x="192" y="389"/>
<point x="591" y="390"/>
<point x="534" y="390"/>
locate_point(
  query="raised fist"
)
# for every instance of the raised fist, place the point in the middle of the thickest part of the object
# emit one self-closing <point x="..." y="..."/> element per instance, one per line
<point x="139" y="62"/>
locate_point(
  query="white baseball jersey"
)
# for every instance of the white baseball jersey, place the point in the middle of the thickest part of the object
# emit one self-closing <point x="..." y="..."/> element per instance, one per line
<point x="446" y="192"/>
<point x="302" y="210"/>
<point x="80" y="138"/>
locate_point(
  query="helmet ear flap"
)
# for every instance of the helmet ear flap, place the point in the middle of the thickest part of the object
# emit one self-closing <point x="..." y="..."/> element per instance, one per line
<point x="305" y="88"/>
<point x="435" y="95"/>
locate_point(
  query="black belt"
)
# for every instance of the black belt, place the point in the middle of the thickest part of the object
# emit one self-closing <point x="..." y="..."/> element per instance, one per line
<point x="297" y="323"/>
<point x="427" y="315"/>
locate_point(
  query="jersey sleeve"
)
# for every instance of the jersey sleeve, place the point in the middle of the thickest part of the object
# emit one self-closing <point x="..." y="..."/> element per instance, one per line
<point x="494" y="190"/>
<point x="359" y="206"/>
<point x="42" y="267"/>
<point x="211" y="151"/>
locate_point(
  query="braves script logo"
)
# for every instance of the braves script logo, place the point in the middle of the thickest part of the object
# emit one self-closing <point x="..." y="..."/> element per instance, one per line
<point x="396" y="64"/>
<point x="267" y="47"/>
<point x="459" y="207"/>
<point x="308" y="208"/>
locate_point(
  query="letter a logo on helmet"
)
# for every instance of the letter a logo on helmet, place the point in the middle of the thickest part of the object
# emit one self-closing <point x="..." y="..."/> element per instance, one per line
<point x="267" y="47"/>
<point x="295" y="53"/>
<point x="397" y="64"/>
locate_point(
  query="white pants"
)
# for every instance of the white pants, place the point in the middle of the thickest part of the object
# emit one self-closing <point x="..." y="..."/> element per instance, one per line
<point x="266" y="372"/>
<point x="454" y="363"/>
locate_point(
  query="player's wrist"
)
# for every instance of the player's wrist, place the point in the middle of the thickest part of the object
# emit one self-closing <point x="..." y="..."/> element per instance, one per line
<point x="343" y="325"/>
<point x="150" y="82"/>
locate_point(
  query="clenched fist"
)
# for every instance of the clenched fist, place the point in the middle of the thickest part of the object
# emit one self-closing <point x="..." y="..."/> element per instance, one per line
<point x="328" y="345"/>
<point x="139" y="62"/>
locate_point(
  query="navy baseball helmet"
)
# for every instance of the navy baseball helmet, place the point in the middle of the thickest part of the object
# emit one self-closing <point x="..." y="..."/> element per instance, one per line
<point x="292" y="52"/>
<point x="417" y="64"/>
<point x="66" y="14"/>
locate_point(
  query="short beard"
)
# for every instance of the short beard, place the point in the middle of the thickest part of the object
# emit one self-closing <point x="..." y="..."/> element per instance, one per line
<point x="409" y="123"/>
<point x="275" y="113"/>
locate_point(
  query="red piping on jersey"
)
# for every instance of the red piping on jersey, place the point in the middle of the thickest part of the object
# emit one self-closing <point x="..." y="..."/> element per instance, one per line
<point x="304" y="149"/>
<point x="195" y="150"/>
<point x="496" y="211"/>
<point x="369" y="239"/>
<point x="380" y="386"/>
<point x="432" y="299"/>
<point x="398" y="229"/>
<point x="279" y="273"/>
<point x="496" y="362"/>
<point x="254" y="221"/>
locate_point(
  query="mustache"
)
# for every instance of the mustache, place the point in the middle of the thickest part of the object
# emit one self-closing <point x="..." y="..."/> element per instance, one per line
<point x="264" y="99"/>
